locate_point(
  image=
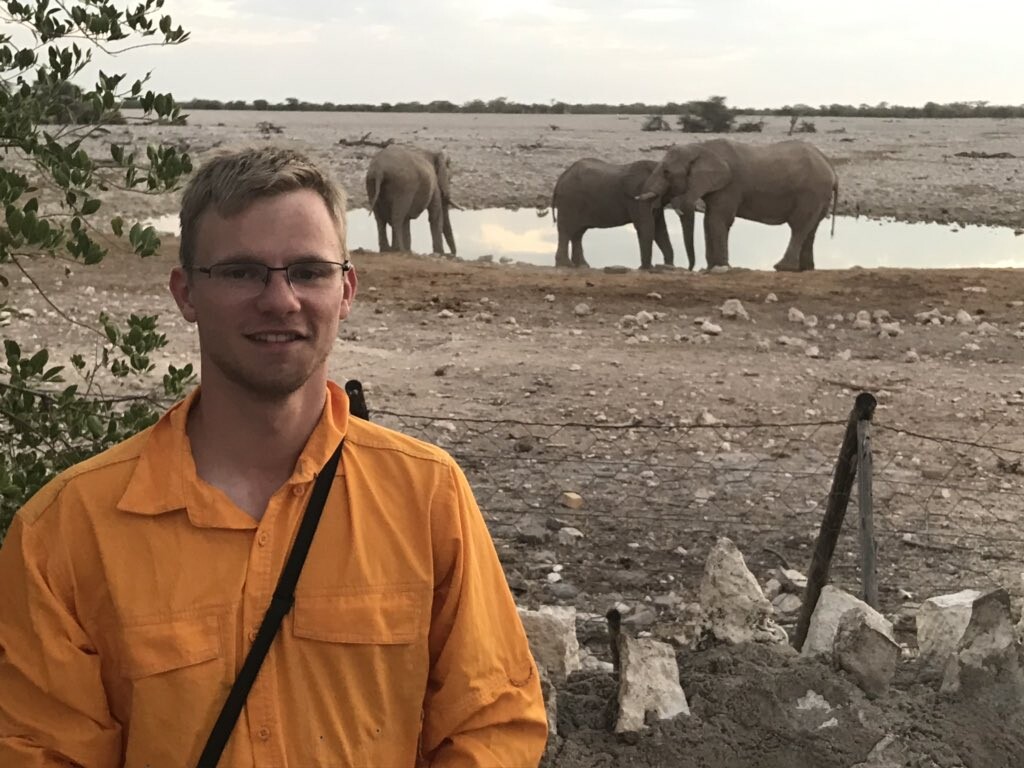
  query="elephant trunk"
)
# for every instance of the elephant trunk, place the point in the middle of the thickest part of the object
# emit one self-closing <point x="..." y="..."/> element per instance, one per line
<point x="686" y="218"/>
<point x="656" y="186"/>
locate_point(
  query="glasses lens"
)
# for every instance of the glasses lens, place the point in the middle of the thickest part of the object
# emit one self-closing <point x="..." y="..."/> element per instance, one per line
<point x="313" y="274"/>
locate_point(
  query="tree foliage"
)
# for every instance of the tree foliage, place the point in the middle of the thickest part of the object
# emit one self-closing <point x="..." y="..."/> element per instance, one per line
<point x="52" y="415"/>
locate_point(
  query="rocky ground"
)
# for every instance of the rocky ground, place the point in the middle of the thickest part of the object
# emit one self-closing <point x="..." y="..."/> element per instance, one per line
<point x="677" y="422"/>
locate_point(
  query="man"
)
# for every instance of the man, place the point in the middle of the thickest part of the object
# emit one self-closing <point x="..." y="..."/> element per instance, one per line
<point x="133" y="584"/>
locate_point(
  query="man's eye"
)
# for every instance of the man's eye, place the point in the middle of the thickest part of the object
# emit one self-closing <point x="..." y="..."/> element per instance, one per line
<point x="239" y="272"/>
<point x="311" y="272"/>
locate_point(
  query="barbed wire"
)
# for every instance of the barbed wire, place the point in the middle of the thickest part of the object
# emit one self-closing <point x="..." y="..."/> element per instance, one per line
<point x="656" y="496"/>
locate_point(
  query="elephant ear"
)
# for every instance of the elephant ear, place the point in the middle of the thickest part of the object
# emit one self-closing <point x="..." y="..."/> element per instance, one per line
<point x="441" y="167"/>
<point x="708" y="173"/>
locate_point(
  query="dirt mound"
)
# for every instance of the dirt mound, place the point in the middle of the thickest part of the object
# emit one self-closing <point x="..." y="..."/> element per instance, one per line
<point x="759" y="707"/>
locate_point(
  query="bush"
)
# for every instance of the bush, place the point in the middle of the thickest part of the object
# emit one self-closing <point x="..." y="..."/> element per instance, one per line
<point x="50" y="424"/>
<point x="750" y="127"/>
<point x="710" y="116"/>
<point x="656" y="123"/>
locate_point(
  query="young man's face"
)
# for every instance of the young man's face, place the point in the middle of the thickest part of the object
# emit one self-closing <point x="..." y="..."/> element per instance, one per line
<point x="269" y="341"/>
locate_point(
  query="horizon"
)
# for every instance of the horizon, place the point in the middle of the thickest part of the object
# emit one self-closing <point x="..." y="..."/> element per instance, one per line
<point x="760" y="55"/>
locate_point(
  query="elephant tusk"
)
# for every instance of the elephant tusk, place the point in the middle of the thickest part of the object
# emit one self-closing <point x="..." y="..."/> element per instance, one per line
<point x="456" y="206"/>
<point x="646" y="196"/>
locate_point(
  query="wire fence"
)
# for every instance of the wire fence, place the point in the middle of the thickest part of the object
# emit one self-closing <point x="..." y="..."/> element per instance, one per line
<point x="656" y="496"/>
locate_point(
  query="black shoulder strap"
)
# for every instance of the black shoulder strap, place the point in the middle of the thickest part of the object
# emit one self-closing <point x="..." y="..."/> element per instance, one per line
<point x="280" y="604"/>
<point x="356" y="400"/>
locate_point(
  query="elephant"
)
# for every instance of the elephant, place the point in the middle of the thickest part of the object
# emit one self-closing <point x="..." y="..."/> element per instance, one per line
<point x="789" y="182"/>
<point x="594" y="193"/>
<point x="402" y="182"/>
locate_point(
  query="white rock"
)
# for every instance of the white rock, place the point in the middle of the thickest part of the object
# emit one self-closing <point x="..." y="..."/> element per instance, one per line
<point x="988" y="329"/>
<point x="735" y="608"/>
<point x="846" y="355"/>
<point x="989" y="642"/>
<point x="889" y="329"/>
<point x="941" y="622"/>
<point x="812" y="351"/>
<point x="734" y="308"/>
<point x="707" y="418"/>
<point x="963" y="317"/>
<point x="866" y="652"/>
<point x="569" y="537"/>
<point x="786" y="604"/>
<point x="655" y="296"/>
<point x="648" y="682"/>
<point x="26" y="313"/>
<point x="911" y="356"/>
<point x="832" y="604"/>
<point x="763" y="345"/>
<point x="795" y="315"/>
<point x="862" y="321"/>
<point x="549" y="298"/>
<point x="881" y="315"/>
<point x="710" y="328"/>
<point x="581" y="309"/>
<point x="552" y="634"/>
<point x="643" y="318"/>
<point x="975" y="289"/>
<point x="811" y="321"/>
<point x="771" y="298"/>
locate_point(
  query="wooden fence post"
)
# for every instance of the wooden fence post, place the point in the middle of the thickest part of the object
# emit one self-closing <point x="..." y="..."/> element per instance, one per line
<point x="868" y="546"/>
<point x="832" y="522"/>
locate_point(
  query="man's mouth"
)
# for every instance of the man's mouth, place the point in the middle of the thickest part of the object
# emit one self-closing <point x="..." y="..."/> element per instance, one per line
<point x="275" y="338"/>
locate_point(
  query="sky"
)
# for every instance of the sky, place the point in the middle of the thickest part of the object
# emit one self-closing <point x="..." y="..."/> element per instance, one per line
<point x="756" y="53"/>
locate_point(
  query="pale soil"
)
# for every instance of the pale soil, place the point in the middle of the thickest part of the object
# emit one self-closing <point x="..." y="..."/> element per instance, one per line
<point x="646" y="535"/>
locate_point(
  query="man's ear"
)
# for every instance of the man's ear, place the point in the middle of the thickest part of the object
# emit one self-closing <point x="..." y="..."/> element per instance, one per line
<point x="181" y="289"/>
<point x="350" y="287"/>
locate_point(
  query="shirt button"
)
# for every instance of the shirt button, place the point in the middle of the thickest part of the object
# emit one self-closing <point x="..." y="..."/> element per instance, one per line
<point x="297" y="490"/>
<point x="264" y="734"/>
<point x="263" y="538"/>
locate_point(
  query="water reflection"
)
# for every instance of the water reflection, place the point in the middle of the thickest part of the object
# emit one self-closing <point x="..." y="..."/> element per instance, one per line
<point x="523" y="236"/>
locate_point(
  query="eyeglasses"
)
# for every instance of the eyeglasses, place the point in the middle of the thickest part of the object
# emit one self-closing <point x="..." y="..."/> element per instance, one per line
<point x="249" y="279"/>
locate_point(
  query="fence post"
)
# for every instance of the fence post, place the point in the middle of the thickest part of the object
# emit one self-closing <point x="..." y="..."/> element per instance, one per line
<point x="832" y="522"/>
<point x="868" y="546"/>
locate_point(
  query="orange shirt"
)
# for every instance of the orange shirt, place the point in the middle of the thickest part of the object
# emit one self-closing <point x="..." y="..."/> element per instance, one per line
<point x="130" y="591"/>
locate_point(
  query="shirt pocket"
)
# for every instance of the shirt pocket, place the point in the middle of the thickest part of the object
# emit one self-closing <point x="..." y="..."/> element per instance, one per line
<point x="384" y="617"/>
<point x="153" y="649"/>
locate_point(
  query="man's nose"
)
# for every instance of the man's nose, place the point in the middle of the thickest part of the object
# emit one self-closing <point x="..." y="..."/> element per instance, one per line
<point x="278" y="291"/>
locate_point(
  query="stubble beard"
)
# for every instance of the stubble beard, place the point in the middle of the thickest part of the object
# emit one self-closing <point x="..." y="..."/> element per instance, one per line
<point x="270" y="385"/>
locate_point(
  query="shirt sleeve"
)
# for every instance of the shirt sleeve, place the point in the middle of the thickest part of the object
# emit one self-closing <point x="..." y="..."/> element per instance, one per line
<point x="53" y="709"/>
<point x="483" y="705"/>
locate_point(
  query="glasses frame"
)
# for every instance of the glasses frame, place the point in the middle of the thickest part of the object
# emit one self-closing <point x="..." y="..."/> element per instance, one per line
<point x="346" y="267"/>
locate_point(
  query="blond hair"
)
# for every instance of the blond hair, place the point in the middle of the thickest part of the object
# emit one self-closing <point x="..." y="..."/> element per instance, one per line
<point x="232" y="181"/>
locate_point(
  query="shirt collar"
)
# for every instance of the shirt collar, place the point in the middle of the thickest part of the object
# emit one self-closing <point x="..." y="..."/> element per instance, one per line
<point x="165" y="479"/>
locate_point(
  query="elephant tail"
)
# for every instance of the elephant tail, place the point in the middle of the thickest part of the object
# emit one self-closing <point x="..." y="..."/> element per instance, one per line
<point x="835" y="199"/>
<point x="373" y="185"/>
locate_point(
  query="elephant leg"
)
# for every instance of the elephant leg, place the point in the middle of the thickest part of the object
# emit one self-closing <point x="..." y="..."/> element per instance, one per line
<point x="407" y="234"/>
<point x="382" y="233"/>
<point x="801" y="228"/>
<point x="807" y="251"/>
<point x="577" y="250"/>
<point x="662" y="239"/>
<point x="435" y="215"/>
<point x="645" y="233"/>
<point x="562" y="253"/>
<point x="716" y="239"/>
<point x="400" y="206"/>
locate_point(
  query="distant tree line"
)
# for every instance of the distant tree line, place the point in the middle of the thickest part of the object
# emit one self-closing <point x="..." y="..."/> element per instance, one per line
<point x="502" y="105"/>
